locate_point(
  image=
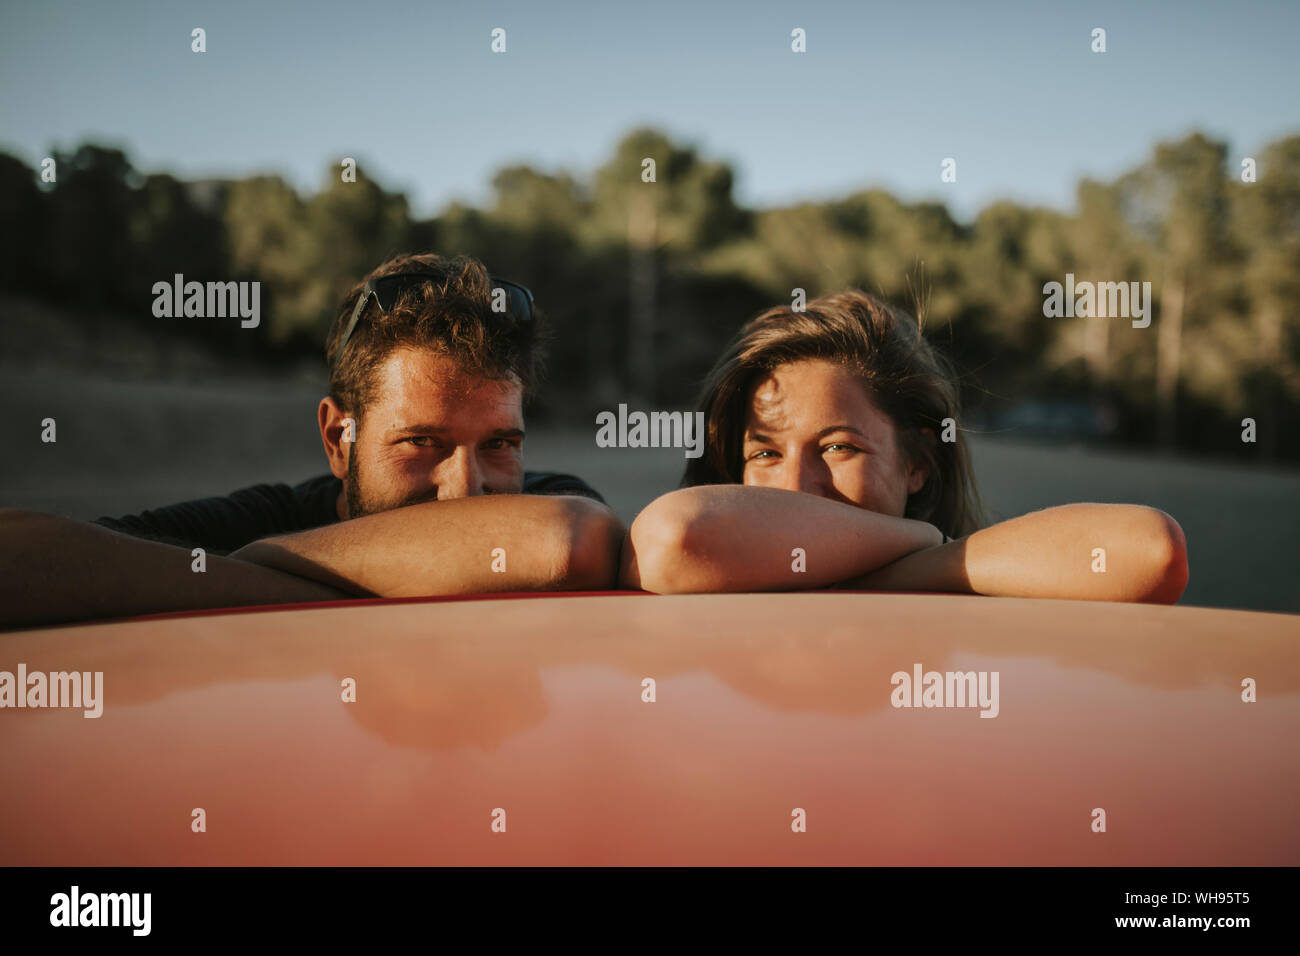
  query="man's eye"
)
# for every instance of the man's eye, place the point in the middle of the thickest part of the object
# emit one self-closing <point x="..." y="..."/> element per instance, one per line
<point x="842" y="446"/>
<point x="420" y="441"/>
<point x="498" y="444"/>
<point x="762" y="453"/>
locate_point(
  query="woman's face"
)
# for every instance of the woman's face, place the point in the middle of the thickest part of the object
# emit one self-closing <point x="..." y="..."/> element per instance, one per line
<point x="810" y="426"/>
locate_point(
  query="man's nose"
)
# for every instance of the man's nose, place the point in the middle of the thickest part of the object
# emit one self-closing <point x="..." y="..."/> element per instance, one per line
<point x="458" y="475"/>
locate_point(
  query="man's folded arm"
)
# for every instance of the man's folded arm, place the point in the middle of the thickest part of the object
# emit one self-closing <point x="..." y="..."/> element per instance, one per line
<point x="487" y="543"/>
<point x="55" y="569"/>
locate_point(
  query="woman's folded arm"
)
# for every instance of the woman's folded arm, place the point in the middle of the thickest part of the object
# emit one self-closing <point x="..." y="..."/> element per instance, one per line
<point x="1090" y="552"/>
<point x="744" y="538"/>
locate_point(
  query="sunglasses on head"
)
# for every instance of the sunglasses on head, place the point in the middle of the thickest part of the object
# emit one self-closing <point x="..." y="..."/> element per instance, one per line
<point x="387" y="290"/>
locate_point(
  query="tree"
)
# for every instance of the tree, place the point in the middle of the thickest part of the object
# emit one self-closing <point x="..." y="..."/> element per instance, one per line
<point x="687" y="208"/>
<point x="350" y="228"/>
<point x="1266" y="223"/>
<point x="24" y="213"/>
<point x="1179" y="200"/>
<point x="92" y="260"/>
<point x="1102" y="251"/>
<point x="266" y="236"/>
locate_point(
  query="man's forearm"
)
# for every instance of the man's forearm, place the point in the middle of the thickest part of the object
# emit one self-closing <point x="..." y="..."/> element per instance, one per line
<point x="1088" y="552"/>
<point x="739" y="538"/>
<point x="56" y="570"/>
<point x="489" y="543"/>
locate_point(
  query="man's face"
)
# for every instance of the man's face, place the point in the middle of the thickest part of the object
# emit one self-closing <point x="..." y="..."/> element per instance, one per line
<point x="433" y="432"/>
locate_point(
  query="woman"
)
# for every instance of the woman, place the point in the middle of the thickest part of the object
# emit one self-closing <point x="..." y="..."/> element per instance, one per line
<point x="835" y="457"/>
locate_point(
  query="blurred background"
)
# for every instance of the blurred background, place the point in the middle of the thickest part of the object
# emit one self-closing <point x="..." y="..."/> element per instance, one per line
<point x="1171" y="158"/>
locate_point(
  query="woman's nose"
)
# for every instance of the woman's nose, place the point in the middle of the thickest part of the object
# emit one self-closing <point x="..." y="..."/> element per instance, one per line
<point x="800" y="474"/>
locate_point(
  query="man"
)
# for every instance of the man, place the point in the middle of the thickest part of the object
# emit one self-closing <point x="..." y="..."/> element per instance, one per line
<point x="430" y="359"/>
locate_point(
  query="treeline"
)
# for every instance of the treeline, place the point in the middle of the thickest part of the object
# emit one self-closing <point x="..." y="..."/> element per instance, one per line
<point x="643" y="283"/>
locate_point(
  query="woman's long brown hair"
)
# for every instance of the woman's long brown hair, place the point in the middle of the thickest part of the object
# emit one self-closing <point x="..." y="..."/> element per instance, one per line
<point x="908" y="380"/>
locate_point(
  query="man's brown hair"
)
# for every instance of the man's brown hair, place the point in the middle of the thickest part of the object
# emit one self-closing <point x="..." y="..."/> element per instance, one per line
<point x="450" y="313"/>
<point x="903" y="374"/>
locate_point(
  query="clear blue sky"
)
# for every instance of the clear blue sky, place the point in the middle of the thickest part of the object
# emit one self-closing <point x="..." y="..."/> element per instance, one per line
<point x="884" y="93"/>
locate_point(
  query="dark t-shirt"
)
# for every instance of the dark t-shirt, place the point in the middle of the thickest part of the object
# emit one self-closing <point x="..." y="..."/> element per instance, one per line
<point x="222" y="525"/>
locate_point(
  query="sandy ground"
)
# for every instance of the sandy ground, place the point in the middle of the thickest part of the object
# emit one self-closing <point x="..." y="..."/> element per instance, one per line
<point x="126" y="446"/>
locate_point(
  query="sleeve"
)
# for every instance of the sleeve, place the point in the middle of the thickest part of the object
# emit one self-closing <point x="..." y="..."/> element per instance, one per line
<point x="218" y="525"/>
<point x="551" y="483"/>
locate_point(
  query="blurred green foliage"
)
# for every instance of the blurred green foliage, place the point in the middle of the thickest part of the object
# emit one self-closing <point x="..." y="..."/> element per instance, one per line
<point x="643" y="283"/>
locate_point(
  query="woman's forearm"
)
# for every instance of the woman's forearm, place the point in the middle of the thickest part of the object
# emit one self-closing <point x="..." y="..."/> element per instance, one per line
<point x="741" y="538"/>
<point x="1089" y="552"/>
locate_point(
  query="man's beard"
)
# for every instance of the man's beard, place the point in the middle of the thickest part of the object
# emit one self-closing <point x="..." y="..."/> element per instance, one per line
<point x="359" y="503"/>
<point x="353" y="486"/>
